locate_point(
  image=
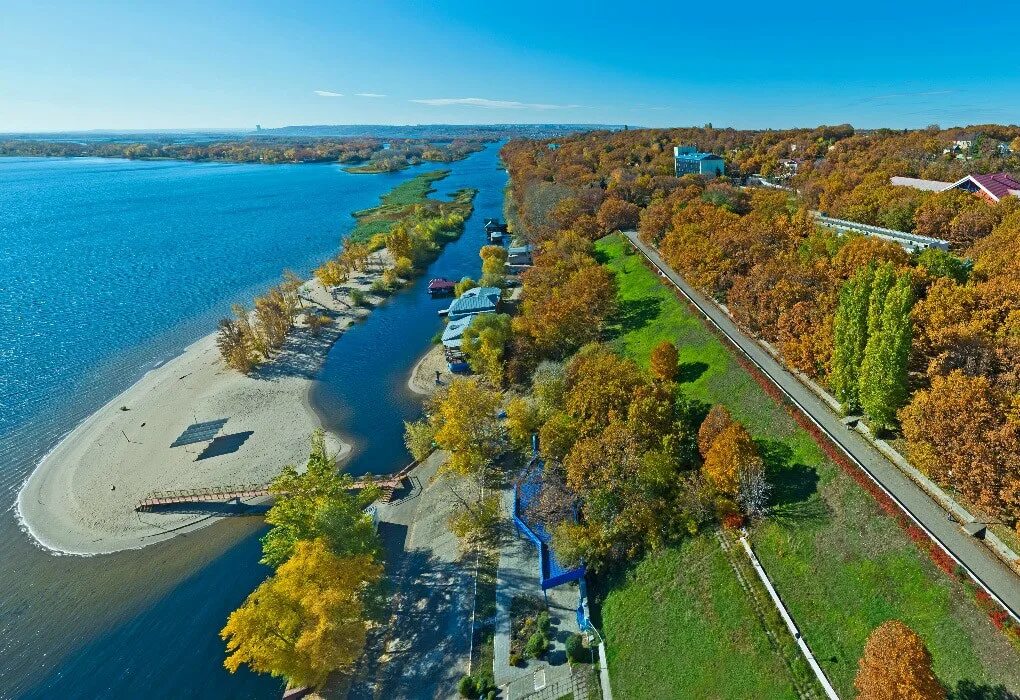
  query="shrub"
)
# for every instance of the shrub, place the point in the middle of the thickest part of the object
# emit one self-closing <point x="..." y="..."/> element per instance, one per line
<point x="543" y="622"/>
<point x="467" y="687"/>
<point x="403" y="268"/>
<point x="537" y="645"/>
<point x="357" y="297"/>
<point x="515" y="659"/>
<point x="575" y="648"/>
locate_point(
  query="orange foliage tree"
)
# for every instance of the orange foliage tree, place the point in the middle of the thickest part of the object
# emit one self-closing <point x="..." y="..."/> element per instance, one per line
<point x="896" y="665"/>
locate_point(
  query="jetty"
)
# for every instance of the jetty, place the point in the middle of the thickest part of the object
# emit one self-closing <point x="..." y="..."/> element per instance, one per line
<point x="225" y="494"/>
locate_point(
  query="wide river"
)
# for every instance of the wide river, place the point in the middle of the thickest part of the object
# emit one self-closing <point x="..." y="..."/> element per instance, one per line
<point x="110" y="267"/>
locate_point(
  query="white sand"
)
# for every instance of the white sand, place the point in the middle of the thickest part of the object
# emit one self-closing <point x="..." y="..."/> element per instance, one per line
<point x="81" y="498"/>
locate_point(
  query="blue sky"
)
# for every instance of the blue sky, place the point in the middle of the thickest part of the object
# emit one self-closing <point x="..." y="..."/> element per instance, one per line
<point x="146" y="65"/>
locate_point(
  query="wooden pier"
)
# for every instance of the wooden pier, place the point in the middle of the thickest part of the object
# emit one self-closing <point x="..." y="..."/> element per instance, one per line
<point x="225" y="494"/>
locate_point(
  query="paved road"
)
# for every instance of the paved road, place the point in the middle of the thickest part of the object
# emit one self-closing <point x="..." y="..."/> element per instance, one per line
<point x="998" y="579"/>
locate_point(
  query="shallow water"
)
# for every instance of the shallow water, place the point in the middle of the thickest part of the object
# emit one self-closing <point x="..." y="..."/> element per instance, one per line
<point x="108" y="268"/>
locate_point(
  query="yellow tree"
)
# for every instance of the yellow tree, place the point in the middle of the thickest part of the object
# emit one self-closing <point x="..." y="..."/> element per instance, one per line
<point x="896" y="665"/>
<point x="463" y="417"/>
<point x="717" y="420"/>
<point x="307" y="620"/>
<point x="733" y="453"/>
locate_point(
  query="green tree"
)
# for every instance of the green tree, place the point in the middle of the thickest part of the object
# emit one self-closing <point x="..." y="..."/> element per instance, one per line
<point x="465" y="284"/>
<point x="883" y="378"/>
<point x="463" y="416"/>
<point x="850" y="337"/>
<point x="418" y="437"/>
<point x="484" y="344"/>
<point x="318" y="502"/>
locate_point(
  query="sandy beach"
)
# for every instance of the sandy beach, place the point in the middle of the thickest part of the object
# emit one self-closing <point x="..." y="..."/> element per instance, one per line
<point x="81" y="498"/>
<point x="423" y="376"/>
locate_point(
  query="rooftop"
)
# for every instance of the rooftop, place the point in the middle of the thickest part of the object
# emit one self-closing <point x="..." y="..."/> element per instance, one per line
<point x="475" y="300"/>
<point x="998" y="185"/>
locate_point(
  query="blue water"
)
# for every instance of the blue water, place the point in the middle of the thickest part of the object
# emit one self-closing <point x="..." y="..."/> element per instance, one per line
<point x="110" y="267"/>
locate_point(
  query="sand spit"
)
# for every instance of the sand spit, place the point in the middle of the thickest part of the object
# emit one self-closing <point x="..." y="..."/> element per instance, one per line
<point x="81" y="498"/>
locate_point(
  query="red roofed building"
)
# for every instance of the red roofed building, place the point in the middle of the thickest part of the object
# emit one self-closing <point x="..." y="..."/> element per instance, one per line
<point x="992" y="187"/>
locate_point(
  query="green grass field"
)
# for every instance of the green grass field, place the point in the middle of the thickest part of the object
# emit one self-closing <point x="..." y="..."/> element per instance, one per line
<point x="840" y="564"/>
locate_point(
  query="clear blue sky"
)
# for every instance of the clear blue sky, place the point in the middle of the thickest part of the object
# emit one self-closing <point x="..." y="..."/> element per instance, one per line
<point x="183" y="64"/>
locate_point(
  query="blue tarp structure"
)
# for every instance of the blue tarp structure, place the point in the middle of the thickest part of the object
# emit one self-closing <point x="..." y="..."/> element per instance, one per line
<point x="551" y="572"/>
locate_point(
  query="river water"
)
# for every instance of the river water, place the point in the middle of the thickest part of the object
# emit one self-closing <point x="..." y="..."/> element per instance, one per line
<point x="108" y="268"/>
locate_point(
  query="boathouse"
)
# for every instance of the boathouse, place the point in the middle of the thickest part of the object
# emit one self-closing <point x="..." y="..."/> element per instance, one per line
<point x="441" y="287"/>
<point x="454" y="331"/>
<point x="519" y="255"/>
<point x="477" y="300"/>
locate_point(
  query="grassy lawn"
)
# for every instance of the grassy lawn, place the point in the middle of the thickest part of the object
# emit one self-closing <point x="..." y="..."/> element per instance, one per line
<point x="680" y="626"/>
<point x="841" y="566"/>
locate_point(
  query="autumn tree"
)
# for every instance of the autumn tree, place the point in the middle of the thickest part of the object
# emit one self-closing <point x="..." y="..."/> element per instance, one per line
<point x="664" y="361"/>
<point x="717" y="420"/>
<point x="732" y="453"/>
<point x="600" y="384"/>
<point x="557" y="435"/>
<point x="418" y="438"/>
<point x="493" y="265"/>
<point x="463" y="418"/>
<point x="523" y="419"/>
<point x="960" y="433"/>
<point x="484" y="344"/>
<point x="307" y="620"/>
<point x="617" y="215"/>
<point x="237" y="342"/>
<point x="896" y="665"/>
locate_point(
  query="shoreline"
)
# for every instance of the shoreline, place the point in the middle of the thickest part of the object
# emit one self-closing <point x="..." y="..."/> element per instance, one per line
<point x="422" y="377"/>
<point x="80" y="497"/>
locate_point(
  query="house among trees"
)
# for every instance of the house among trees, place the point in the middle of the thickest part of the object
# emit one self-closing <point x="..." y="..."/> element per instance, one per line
<point x="993" y="186"/>
<point x="519" y="256"/>
<point x="689" y="160"/>
<point x="477" y="300"/>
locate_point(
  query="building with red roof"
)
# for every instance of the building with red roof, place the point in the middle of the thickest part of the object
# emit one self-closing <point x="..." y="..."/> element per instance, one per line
<point x="993" y="186"/>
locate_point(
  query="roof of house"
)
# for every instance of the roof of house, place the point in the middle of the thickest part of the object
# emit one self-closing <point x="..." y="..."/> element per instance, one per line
<point x="454" y="331"/>
<point x="997" y="185"/>
<point x="518" y="250"/>
<point x="442" y="283"/>
<point x="476" y="300"/>
<point x="697" y="155"/>
<point x="919" y="184"/>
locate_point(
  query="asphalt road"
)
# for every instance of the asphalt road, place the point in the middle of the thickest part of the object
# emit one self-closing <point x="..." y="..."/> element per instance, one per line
<point x="997" y="578"/>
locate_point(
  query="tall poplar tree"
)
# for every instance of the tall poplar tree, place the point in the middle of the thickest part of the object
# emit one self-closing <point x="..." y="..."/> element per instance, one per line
<point x="883" y="377"/>
<point x="850" y="337"/>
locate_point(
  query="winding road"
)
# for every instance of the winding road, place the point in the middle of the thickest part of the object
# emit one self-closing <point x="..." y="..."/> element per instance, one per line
<point x="998" y="580"/>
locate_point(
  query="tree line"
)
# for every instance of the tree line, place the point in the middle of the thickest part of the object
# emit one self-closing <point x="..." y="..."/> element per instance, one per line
<point x="898" y="337"/>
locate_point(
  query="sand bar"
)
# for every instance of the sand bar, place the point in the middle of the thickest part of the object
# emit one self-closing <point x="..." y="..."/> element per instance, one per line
<point x="81" y="498"/>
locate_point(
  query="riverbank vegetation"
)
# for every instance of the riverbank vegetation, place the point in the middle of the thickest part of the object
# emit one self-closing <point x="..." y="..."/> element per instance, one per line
<point x="311" y="617"/>
<point x="251" y="337"/>
<point x="362" y="154"/>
